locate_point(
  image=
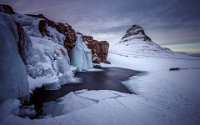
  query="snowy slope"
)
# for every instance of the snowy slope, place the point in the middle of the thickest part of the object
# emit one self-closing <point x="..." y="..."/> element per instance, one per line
<point x="174" y="93"/>
<point x="136" y="43"/>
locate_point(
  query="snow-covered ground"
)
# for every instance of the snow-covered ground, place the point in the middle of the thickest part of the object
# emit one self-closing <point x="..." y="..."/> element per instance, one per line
<point x="163" y="97"/>
<point x="174" y="93"/>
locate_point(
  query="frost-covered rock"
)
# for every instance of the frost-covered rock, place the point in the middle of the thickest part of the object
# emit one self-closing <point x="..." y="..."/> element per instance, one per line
<point x="81" y="56"/>
<point x="13" y="78"/>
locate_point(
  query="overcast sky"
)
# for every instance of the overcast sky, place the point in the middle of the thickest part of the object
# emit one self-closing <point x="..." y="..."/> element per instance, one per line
<point x="167" y="22"/>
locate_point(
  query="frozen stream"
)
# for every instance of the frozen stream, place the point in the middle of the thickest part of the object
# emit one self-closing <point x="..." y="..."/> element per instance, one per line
<point x="108" y="79"/>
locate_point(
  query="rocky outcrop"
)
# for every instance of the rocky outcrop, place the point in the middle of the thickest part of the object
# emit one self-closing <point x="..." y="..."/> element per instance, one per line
<point x="6" y="9"/>
<point x="104" y="45"/>
<point x="42" y="27"/>
<point x="69" y="33"/>
<point x="63" y="28"/>
<point x="137" y="32"/>
<point x="99" y="49"/>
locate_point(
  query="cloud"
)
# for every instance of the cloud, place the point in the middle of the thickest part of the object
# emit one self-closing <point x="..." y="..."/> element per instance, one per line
<point x="165" y="21"/>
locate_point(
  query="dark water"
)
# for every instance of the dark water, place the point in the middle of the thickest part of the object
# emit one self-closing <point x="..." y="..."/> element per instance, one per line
<point x="108" y="79"/>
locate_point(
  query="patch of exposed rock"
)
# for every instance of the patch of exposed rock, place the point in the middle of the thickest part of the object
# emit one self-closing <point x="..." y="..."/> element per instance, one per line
<point x="137" y="32"/>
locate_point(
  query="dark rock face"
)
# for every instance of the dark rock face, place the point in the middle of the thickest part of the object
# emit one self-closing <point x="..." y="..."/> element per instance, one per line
<point x="99" y="49"/>
<point x="42" y="27"/>
<point x="6" y="9"/>
<point x="94" y="46"/>
<point x="136" y="30"/>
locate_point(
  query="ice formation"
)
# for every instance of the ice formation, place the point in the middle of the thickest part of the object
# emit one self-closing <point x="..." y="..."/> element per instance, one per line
<point x="81" y="56"/>
<point x="13" y="78"/>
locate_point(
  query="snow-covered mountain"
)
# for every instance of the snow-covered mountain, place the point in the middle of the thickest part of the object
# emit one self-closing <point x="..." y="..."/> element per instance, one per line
<point x="136" y="43"/>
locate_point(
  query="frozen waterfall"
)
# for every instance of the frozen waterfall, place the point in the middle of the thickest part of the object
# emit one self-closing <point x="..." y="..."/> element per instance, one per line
<point x="81" y="56"/>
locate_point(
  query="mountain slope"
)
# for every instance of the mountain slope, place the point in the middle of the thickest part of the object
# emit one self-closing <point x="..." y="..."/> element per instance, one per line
<point x="136" y="43"/>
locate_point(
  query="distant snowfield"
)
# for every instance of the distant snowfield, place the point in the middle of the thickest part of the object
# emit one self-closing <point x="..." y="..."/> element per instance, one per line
<point x="162" y="97"/>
